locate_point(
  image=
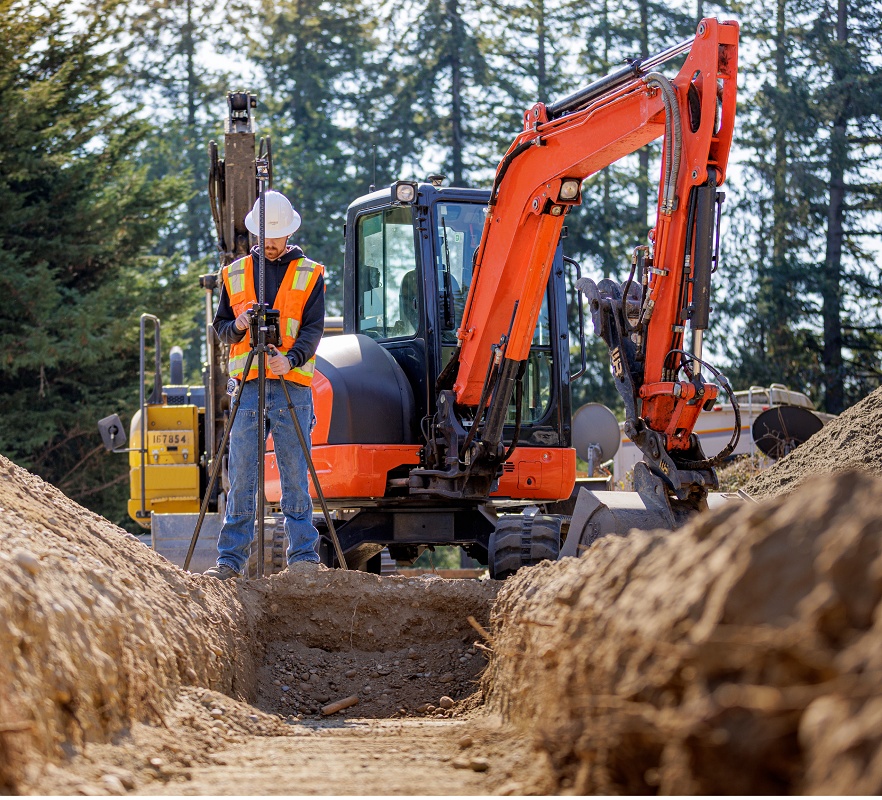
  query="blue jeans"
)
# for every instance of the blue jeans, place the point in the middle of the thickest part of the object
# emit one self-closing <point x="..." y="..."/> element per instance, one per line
<point x="235" y="538"/>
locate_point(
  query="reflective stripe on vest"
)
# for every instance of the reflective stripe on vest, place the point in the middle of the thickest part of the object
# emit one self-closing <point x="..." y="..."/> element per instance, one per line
<point x="307" y="370"/>
<point x="295" y="289"/>
<point x="236" y="273"/>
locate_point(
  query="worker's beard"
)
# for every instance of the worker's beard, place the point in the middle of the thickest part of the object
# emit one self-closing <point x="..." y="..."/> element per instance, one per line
<point x="274" y="253"/>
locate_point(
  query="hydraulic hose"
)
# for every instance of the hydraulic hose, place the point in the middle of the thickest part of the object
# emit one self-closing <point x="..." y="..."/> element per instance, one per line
<point x="503" y="168"/>
<point x="736" y="433"/>
<point x="673" y="124"/>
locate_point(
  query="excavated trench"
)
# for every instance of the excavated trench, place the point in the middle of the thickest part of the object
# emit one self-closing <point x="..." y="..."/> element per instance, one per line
<point x="397" y="644"/>
<point x="741" y="654"/>
<point x="107" y="651"/>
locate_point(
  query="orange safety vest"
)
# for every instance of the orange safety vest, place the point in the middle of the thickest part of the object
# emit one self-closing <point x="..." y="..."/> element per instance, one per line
<point x="296" y="287"/>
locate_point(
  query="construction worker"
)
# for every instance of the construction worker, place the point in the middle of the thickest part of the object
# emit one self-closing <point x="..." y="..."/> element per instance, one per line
<point x="295" y="286"/>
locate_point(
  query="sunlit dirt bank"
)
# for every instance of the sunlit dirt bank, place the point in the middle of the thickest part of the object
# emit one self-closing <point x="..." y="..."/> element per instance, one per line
<point x="741" y="654"/>
<point x="852" y="441"/>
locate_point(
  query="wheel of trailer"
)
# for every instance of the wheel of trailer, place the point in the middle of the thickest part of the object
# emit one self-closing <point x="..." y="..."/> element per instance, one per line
<point x="275" y="548"/>
<point x="522" y="541"/>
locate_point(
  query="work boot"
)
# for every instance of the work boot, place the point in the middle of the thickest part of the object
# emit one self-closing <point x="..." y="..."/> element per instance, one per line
<point x="222" y="572"/>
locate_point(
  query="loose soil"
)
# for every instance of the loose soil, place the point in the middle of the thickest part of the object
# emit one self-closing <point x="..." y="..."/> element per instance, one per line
<point x="741" y="654"/>
<point x="120" y="672"/>
<point x="852" y="441"/>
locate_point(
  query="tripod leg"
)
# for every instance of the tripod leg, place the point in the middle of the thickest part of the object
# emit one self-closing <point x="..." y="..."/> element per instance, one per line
<point x="261" y="458"/>
<point x="341" y="559"/>
<point x="234" y="408"/>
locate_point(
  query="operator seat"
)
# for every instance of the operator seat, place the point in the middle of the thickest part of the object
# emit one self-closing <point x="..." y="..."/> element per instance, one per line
<point x="409" y="303"/>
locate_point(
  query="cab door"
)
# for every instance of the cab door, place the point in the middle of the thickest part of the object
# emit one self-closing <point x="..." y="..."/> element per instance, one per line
<point x="387" y="302"/>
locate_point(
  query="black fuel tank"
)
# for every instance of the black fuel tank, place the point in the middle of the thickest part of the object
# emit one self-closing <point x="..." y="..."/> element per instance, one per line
<point x="373" y="400"/>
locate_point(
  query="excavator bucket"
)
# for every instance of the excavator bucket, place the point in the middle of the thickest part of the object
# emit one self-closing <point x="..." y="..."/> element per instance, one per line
<point x="649" y="507"/>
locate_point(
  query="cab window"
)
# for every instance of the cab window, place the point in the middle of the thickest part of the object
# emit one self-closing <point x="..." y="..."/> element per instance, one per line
<point x="458" y="229"/>
<point x="388" y="289"/>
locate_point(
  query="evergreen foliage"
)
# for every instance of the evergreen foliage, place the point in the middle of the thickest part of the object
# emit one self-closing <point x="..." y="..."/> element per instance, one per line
<point x="103" y="168"/>
<point x="313" y="60"/>
<point x="78" y="218"/>
<point x="803" y="290"/>
<point x="440" y="85"/>
<point x="164" y="45"/>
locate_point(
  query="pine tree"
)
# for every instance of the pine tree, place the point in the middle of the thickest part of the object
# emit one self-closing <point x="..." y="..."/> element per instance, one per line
<point x="617" y="202"/>
<point x="79" y="216"/>
<point x="166" y="46"/>
<point x="528" y="46"/>
<point x="812" y="126"/>
<point x="313" y="63"/>
<point x="845" y="42"/>
<point x="441" y="81"/>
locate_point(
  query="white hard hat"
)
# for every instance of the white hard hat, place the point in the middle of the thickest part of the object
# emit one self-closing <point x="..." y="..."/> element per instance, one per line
<point x="281" y="218"/>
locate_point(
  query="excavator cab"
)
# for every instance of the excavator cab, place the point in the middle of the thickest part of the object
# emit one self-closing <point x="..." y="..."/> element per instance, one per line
<point x="408" y="271"/>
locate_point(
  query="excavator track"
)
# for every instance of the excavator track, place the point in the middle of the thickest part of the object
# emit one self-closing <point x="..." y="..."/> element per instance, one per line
<point x="275" y="547"/>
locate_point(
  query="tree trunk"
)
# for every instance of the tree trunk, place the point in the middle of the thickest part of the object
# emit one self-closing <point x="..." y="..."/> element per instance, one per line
<point x="193" y="150"/>
<point x="773" y="278"/>
<point x="541" y="66"/>
<point x="643" y="153"/>
<point x="456" y="136"/>
<point x="831" y="288"/>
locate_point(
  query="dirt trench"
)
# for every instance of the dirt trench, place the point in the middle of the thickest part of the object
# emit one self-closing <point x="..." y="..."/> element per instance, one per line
<point x="121" y="673"/>
<point x="742" y="654"/>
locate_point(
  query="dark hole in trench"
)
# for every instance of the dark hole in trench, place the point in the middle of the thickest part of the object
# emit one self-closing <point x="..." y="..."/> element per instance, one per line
<point x="396" y="650"/>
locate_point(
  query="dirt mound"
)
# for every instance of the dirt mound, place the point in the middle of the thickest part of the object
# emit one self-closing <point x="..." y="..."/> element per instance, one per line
<point x="851" y="441"/>
<point x="742" y="654"/>
<point x="96" y="630"/>
<point x="103" y="641"/>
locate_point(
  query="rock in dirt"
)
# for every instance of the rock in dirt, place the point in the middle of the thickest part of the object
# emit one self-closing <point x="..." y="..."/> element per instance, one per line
<point x="852" y="441"/>
<point x="113" y="784"/>
<point x="27" y="561"/>
<point x="739" y="655"/>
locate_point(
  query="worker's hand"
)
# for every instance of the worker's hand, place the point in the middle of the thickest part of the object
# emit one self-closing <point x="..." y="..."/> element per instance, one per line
<point x="242" y="322"/>
<point x="278" y="363"/>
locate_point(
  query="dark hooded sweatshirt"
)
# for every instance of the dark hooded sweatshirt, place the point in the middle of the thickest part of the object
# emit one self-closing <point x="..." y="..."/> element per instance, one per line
<point x="311" y="326"/>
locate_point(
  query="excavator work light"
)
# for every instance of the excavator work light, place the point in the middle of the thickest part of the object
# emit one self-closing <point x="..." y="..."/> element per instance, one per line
<point x="569" y="189"/>
<point x="404" y="192"/>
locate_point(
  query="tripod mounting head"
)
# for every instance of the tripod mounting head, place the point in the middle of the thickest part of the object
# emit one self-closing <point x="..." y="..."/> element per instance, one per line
<point x="263" y="169"/>
<point x="264" y="328"/>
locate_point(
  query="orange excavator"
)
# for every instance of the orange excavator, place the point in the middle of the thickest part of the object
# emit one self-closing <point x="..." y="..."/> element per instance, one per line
<point x="473" y="284"/>
<point x="443" y="410"/>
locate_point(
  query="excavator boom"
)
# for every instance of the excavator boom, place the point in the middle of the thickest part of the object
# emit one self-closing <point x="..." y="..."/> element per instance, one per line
<point x="538" y="182"/>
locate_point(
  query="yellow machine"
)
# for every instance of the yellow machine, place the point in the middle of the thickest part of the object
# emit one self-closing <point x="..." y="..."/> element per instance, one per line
<point x="171" y="468"/>
<point x="165" y="460"/>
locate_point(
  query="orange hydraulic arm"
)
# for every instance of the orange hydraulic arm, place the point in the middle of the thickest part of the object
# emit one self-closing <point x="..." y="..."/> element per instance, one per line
<point x="527" y="210"/>
<point x="537" y="183"/>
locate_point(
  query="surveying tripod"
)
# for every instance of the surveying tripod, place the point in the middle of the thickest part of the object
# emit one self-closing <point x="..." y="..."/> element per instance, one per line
<point x="264" y="338"/>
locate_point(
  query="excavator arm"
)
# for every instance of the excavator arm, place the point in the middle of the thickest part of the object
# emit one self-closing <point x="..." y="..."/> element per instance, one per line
<point x="644" y="321"/>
